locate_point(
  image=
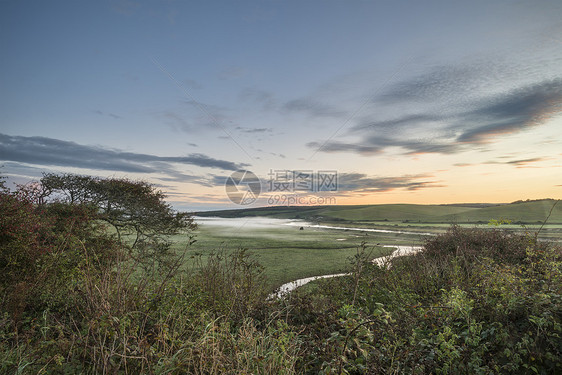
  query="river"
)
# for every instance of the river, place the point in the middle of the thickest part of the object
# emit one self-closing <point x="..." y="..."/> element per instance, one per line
<point x="266" y="222"/>
<point x="383" y="261"/>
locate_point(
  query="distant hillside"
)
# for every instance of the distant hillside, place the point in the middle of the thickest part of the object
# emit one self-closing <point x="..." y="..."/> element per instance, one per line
<point x="519" y="212"/>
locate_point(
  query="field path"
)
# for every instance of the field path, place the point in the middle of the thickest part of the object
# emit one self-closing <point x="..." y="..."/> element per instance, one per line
<point x="383" y="261"/>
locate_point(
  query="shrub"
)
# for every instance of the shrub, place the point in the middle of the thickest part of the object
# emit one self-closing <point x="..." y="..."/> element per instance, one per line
<point x="474" y="301"/>
<point x="471" y="242"/>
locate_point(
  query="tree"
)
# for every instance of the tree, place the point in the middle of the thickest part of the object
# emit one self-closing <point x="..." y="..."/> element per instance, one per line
<point x="43" y="247"/>
<point x="135" y="209"/>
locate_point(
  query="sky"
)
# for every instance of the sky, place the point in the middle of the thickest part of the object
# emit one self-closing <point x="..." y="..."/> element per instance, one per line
<point x="395" y="101"/>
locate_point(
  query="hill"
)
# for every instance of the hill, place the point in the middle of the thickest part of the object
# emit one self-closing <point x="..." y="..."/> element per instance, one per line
<point x="525" y="212"/>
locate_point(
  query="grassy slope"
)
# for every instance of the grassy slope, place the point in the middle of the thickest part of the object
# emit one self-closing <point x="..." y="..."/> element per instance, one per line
<point x="393" y="212"/>
<point x="526" y="212"/>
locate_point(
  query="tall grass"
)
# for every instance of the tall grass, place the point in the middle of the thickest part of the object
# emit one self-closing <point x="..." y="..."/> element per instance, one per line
<point x="473" y="301"/>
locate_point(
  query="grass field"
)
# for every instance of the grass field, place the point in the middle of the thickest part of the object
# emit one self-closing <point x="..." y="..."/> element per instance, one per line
<point x="288" y="253"/>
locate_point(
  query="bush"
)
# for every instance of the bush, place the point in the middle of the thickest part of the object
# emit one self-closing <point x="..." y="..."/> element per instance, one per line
<point x="474" y="301"/>
<point x="471" y="242"/>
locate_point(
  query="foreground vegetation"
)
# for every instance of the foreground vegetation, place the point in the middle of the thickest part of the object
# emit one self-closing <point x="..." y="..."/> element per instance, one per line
<point x="78" y="297"/>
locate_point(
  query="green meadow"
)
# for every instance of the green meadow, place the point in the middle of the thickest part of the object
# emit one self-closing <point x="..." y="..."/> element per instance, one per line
<point x="288" y="253"/>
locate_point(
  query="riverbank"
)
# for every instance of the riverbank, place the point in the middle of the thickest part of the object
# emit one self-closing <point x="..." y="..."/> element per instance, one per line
<point x="383" y="261"/>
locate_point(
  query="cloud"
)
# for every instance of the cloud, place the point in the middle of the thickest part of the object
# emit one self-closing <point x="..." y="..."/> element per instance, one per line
<point x="312" y="108"/>
<point x="344" y="182"/>
<point x="454" y="129"/>
<point x="376" y="144"/>
<point x="206" y="114"/>
<point x="195" y="116"/>
<point x="337" y="146"/>
<point x="175" y="176"/>
<point x="112" y="115"/>
<point x="21" y="172"/>
<point x="520" y="163"/>
<point x="262" y="98"/>
<point x="253" y="130"/>
<point x="512" y="112"/>
<point x="218" y="180"/>
<point x="361" y="183"/>
<point x="54" y="152"/>
<point x="391" y="125"/>
<point x="524" y="162"/>
<point x="439" y="82"/>
<point x="176" y="121"/>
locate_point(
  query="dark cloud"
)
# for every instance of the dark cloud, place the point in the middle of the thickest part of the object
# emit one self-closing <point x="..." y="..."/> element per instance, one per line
<point x="337" y="146"/>
<point x="22" y="173"/>
<point x="218" y="180"/>
<point x="523" y="162"/>
<point x="54" y="152"/>
<point x="512" y="112"/>
<point x="359" y="182"/>
<point x="376" y="144"/>
<point x="519" y="163"/>
<point x="481" y="122"/>
<point x="393" y="124"/>
<point x="344" y="183"/>
<point x="437" y="83"/>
